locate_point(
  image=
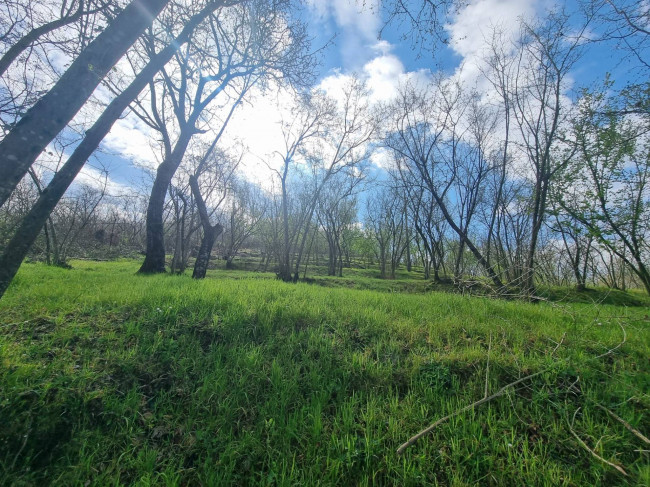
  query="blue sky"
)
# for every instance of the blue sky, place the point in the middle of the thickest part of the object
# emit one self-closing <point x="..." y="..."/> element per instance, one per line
<point x="383" y="63"/>
<point x="356" y="40"/>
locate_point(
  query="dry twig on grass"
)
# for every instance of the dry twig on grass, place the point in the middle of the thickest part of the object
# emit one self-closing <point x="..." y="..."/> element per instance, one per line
<point x="500" y="392"/>
<point x="627" y="425"/>
<point x="487" y="368"/>
<point x="586" y="447"/>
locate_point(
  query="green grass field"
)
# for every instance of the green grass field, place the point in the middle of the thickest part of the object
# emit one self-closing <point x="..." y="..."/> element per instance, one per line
<point x="111" y="378"/>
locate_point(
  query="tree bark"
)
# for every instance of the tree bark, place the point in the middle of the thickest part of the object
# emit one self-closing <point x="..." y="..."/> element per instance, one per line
<point x="154" y="261"/>
<point x="210" y="232"/>
<point x="20" y="148"/>
<point x="284" y="272"/>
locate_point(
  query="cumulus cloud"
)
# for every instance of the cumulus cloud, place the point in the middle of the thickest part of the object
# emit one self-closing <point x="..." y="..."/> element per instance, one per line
<point x="471" y="28"/>
<point x="383" y="75"/>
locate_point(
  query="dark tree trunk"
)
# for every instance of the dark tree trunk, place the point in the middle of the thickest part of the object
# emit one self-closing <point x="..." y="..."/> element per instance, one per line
<point x="210" y="232"/>
<point x="154" y="261"/>
<point x="20" y="148"/>
<point x="31" y="225"/>
<point x="210" y="235"/>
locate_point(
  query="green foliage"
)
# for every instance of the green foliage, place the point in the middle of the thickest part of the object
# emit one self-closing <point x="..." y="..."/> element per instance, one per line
<point x="112" y="378"/>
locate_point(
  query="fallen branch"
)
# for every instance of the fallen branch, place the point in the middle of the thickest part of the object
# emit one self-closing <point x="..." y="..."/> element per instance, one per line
<point x="559" y="343"/>
<point x="586" y="447"/>
<point x="629" y="427"/>
<point x="611" y="350"/>
<point x="500" y="392"/>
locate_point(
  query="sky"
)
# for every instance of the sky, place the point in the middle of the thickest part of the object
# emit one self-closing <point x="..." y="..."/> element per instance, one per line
<point x="350" y="30"/>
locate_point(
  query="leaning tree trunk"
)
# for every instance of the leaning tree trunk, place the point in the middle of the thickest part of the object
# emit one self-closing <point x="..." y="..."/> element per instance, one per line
<point x="42" y="122"/>
<point x="210" y="232"/>
<point x="31" y="225"/>
<point x="539" y="207"/>
<point x="470" y="245"/>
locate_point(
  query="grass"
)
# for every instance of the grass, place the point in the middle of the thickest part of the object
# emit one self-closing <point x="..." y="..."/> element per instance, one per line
<point x="111" y="378"/>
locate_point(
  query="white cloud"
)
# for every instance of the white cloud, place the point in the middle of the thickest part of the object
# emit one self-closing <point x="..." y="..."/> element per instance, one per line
<point x="131" y="139"/>
<point x="382" y="158"/>
<point x="94" y="178"/>
<point x="350" y="15"/>
<point x="357" y="23"/>
<point x="383" y="75"/>
<point x="471" y="28"/>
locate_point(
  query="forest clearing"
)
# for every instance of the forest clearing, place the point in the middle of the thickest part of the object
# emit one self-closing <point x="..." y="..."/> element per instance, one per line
<point x="324" y="242"/>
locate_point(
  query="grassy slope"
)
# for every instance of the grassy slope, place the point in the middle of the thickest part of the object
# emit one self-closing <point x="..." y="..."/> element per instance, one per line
<point x="240" y="379"/>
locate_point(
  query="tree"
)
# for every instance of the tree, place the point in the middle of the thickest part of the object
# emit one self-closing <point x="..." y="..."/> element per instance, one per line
<point x="312" y="114"/>
<point x="242" y="46"/>
<point x="429" y="225"/>
<point x="576" y="239"/>
<point x="248" y="207"/>
<point x="386" y="221"/>
<point x="611" y="179"/>
<point x="31" y="224"/>
<point x="546" y="56"/>
<point x="624" y="22"/>
<point x="42" y="19"/>
<point x="55" y="109"/>
<point x="420" y="119"/>
<point x="218" y="167"/>
<point x="336" y="212"/>
<point x="330" y="137"/>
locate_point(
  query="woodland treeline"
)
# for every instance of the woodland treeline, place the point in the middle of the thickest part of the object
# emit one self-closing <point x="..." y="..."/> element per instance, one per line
<point x="538" y="182"/>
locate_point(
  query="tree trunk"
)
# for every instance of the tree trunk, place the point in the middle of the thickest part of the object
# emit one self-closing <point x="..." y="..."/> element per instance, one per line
<point x="210" y="235"/>
<point x="20" y="148"/>
<point x="154" y="261"/>
<point x="284" y="271"/>
<point x="210" y="232"/>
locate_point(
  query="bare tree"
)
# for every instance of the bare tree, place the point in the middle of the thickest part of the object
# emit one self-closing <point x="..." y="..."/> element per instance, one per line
<point x="29" y="21"/>
<point x="330" y="138"/>
<point x="31" y="225"/>
<point x="546" y="55"/>
<point x="218" y="168"/>
<point x="248" y="207"/>
<point x="418" y="136"/>
<point x="55" y="109"/>
<point x="242" y="45"/>
<point x="336" y="211"/>
<point x="386" y="221"/>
